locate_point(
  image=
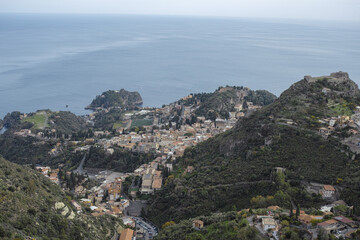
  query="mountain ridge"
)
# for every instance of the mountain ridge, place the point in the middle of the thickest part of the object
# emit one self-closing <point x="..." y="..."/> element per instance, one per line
<point x="258" y="144"/>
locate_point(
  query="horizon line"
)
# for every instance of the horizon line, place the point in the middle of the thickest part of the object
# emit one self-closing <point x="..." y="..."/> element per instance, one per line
<point x="181" y="15"/>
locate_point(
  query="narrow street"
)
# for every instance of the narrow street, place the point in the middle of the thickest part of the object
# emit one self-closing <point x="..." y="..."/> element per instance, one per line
<point x="134" y="211"/>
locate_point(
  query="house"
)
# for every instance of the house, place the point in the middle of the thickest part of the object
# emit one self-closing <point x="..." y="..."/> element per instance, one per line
<point x="301" y="211"/>
<point x="274" y="208"/>
<point x="76" y="205"/>
<point x="93" y="208"/>
<point x="326" y="131"/>
<point x="128" y="221"/>
<point x="198" y="224"/>
<point x="147" y="184"/>
<point x="156" y="185"/>
<point x="346" y="221"/>
<point x="268" y="223"/>
<point x="327" y="191"/>
<point x="114" y="193"/>
<point x="86" y="201"/>
<point x="189" y="169"/>
<point x="332" y="122"/>
<point x="238" y="107"/>
<point x="325" y="90"/>
<point x="127" y="234"/>
<point x="329" y="226"/>
<point x="110" y="151"/>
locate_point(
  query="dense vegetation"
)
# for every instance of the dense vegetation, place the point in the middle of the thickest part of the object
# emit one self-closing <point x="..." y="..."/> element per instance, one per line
<point x="45" y="120"/>
<point x="12" y="119"/>
<point x="237" y="165"/>
<point x="122" y="99"/>
<point x="107" y="120"/>
<point x="225" y="226"/>
<point x="223" y="100"/>
<point x="66" y="122"/>
<point x="260" y="97"/>
<point x="121" y="160"/>
<point x="27" y="206"/>
<point x="24" y="150"/>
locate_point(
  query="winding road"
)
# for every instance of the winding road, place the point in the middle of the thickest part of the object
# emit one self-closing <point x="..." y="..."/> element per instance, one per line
<point x="80" y="168"/>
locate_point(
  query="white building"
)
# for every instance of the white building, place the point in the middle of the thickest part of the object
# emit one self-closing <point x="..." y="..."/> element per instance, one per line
<point x="268" y="223"/>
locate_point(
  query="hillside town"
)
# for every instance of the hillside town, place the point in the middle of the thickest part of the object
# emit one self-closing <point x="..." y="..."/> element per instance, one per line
<point x="173" y="129"/>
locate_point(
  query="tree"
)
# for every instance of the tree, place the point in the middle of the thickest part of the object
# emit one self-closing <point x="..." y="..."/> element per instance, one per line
<point x="167" y="224"/>
<point x="291" y="209"/>
<point x="285" y="223"/>
<point x="297" y="210"/>
<point x="234" y="208"/>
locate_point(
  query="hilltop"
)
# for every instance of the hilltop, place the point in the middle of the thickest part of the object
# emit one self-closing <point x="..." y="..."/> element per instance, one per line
<point x="63" y="122"/>
<point x="116" y="99"/>
<point x="32" y="206"/>
<point x="227" y="99"/>
<point x="231" y="168"/>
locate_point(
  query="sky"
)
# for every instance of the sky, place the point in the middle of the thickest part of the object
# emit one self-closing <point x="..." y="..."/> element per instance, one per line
<point x="347" y="10"/>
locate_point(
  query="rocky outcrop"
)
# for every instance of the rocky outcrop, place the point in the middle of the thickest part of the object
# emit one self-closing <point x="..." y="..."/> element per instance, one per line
<point x="336" y="77"/>
<point x="116" y="99"/>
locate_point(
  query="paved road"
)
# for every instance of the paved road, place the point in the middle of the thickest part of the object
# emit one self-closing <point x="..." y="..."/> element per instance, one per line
<point x="128" y="124"/>
<point x="46" y="120"/>
<point x="80" y="169"/>
<point x="149" y="229"/>
<point x="239" y="183"/>
<point x="134" y="211"/>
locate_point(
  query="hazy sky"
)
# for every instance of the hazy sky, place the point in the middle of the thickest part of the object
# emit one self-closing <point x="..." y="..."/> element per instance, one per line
<point x="306" y="9"/>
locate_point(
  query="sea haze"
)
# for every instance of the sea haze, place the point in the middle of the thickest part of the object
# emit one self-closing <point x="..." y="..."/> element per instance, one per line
<point x="50" y="61"/>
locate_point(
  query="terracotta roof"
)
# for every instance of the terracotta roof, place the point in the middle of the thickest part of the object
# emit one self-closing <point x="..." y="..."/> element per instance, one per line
<point x="301" y="211"/>
<point x="328" y="222"/>
<point x="198" y="221"/>
<point x="126" y="234"/>
<point x="343" y="219"/>
<point x="274" y="208"/>
<point x="329" y="188"/>
<point x="305" y="218"/>
<point x="157" y="183"/>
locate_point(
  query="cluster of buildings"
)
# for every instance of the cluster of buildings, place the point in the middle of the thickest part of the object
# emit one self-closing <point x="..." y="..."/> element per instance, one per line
<point x="107" y="199"/>
<point x="340" y="122"/>
<point x="151" y="178"/>
<point x="328" y="222"/>
<point x="52" y="174"/>
<point x="328" y="192"/>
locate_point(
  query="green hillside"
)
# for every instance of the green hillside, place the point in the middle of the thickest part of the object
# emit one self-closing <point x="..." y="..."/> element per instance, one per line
<point x="32" y="206"/>
<point x="63" y="122"/>
<point x="224" y="100"/>
<point x="226" y="226"/>
<point x="233" y="167"/>
<point x="111" y="99"/>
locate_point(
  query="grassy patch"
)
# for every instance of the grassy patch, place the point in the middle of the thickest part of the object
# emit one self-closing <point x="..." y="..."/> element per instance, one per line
<point x="118" y="125"/>
<point x="140" y="122"/>
<point x="341" y="109"/>
<point x="38" y="119"/>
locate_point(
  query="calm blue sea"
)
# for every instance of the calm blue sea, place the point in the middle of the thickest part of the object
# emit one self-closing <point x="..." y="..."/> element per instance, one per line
<point x="50" y="61"/>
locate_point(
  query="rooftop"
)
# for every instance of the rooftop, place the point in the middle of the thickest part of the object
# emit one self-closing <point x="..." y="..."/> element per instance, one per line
<point x="329" y="188"/>
<point x="343" y="219"/>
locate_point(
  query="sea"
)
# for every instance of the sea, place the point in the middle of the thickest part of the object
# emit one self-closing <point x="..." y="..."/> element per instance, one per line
<point x="61" y="62"/>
